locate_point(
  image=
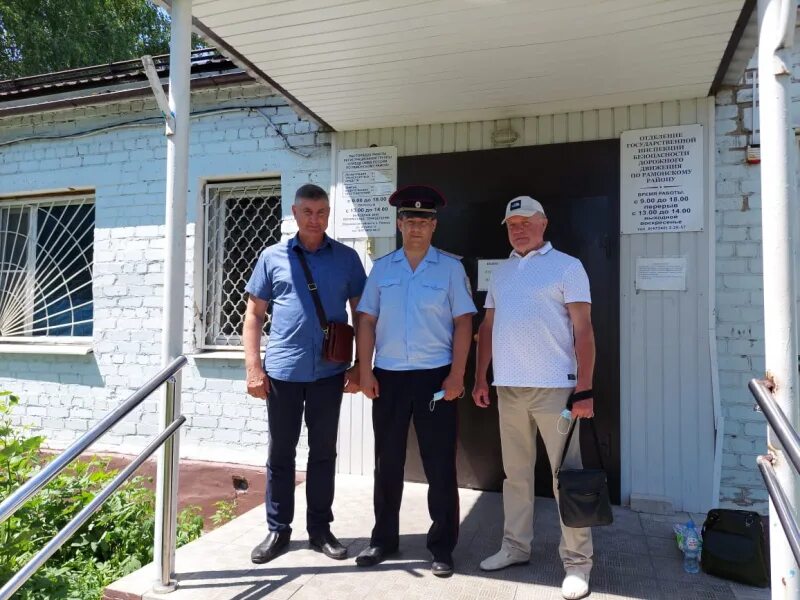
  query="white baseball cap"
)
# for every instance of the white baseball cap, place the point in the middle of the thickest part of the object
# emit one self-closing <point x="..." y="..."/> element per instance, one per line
<point x="524" y="206"/>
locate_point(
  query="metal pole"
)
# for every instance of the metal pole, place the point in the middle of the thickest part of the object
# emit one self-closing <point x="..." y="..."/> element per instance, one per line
<point x="174" y="282"/>
<point x="168" y="517"/>
<point x="776" y="23"/>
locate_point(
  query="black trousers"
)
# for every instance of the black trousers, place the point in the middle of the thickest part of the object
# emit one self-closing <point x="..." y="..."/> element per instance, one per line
<point x="404" y="394"/>
<point x="322" y="400"/>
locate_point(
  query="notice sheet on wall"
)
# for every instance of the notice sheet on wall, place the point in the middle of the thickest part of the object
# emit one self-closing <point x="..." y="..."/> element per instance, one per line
<point x="662" y="274"/>
<point x="366" y="179"/>
<point x="485" y="268"/>
<point x="662" y="180"/>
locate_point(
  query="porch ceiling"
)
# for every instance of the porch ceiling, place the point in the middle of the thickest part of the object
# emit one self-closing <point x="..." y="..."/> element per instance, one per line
<point x="378" y="63"/>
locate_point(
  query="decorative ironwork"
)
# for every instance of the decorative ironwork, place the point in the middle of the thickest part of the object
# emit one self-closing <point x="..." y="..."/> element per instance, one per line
<point x="46" y="255"/>
<point x="241" y="219"/>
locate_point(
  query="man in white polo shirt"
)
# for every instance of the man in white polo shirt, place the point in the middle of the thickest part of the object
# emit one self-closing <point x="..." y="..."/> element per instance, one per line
<point x="537" y="332"/>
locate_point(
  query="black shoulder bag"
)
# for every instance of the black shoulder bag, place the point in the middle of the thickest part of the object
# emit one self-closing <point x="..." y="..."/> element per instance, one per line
<point x="337" y="345"/>
<point x="735" y="547"/>
<point x="583" y="499"/>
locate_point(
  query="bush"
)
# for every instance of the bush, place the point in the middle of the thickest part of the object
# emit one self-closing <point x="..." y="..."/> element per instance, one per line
<point x="116" y="541"/>
<point x="226" y="512"/>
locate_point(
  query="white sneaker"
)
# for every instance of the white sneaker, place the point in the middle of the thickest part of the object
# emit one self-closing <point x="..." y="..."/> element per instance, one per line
<point x="576" y="585"/>
<point x="502" y="559"/>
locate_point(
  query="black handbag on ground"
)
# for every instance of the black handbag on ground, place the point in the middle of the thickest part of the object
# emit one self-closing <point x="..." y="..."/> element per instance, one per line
<point x="735" y="546"/>
<point x="583" y="499"/>
<point x="337" y="344"/>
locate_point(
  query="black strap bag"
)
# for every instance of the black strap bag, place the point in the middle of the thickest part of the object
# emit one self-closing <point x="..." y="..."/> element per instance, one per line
<point x="735" y="546"/>
<point x="583" y="499"/>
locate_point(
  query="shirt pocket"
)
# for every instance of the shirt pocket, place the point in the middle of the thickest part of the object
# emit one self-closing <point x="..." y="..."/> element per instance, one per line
<point x="391" y="293"/>
<point x="283" y="285"/>
<point x="433" y="296"/>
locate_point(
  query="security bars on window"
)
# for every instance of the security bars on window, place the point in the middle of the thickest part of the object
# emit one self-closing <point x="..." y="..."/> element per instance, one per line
<point x="46" y="254"/>
<point x="241" y="218"/>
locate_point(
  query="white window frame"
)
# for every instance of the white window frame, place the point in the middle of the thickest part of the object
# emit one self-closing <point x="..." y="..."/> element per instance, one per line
<point x="209" y="321"/>
<point x="32" y="201"/>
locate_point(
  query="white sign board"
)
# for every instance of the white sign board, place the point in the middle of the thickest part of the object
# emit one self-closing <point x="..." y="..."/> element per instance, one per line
<point x="366" y="179"/>
<point x="485" y="272"/>
<point x="664" y="274"/>
<point x="662" y="180"/>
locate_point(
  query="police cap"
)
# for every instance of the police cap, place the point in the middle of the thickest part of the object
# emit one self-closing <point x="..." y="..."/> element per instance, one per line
<point x="417" y="201"/>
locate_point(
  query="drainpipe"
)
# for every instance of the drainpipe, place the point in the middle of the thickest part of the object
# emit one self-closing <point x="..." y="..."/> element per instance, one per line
<point x="776" y="24"/>
<point x="719" y="418"/>
<point x="174" y="288"/>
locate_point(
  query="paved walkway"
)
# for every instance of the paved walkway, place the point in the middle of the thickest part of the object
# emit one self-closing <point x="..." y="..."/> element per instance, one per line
<point x="634" y="558"/>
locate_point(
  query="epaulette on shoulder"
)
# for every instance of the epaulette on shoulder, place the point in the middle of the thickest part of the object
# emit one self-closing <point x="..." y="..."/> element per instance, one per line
<point x="450" y="254"/>
<point x="374" y="260"/>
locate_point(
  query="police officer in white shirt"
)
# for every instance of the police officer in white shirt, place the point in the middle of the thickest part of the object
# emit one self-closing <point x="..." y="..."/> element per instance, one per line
<point x="537" y="332"/>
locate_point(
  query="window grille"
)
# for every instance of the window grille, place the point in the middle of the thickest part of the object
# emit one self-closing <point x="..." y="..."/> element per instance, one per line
<point x="241" y="219"/>
<point x="46" y="255"/>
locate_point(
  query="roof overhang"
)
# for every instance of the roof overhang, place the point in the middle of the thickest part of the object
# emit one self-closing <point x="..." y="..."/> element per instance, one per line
<point x="355" y="64"/>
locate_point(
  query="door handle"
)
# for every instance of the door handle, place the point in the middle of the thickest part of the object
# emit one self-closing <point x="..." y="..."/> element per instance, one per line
<point x="606" y="245"/>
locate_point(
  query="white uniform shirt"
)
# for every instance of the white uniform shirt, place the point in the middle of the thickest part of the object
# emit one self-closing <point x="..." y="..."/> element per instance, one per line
<point x="532" y="338"/>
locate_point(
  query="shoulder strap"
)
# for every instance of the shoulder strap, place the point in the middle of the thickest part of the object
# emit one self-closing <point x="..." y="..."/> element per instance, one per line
<point x="312" y="287"/>
<point x="450" y="254"/>
<point x="387" y="255"/>
<point x="569" y="438"/>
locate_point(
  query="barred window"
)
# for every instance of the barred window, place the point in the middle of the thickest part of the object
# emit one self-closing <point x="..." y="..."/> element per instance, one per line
<point x="241" y="219"/>
<point x="46" y="255"/>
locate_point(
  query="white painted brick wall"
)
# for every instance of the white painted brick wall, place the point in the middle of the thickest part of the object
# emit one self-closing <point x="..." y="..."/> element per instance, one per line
<point x="740" y="301"/>
<point x="63" y="395"/>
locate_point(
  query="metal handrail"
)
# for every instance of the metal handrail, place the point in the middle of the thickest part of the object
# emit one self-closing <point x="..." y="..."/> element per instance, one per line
<point x="780" y="424"/>
<point x="790" y="441"/>
<point x="11" y="504"/>
<point x="22" y="494"/>
<point x="21" y="576"/>
<point x="781" y="504"/>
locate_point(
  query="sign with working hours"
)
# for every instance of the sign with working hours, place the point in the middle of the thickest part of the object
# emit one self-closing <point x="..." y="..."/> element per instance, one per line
<point x="662" y="180"/>
<point x="366" y="177"/>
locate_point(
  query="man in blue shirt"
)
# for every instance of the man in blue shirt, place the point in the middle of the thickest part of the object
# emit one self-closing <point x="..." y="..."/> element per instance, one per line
<point x="416" y="314"/>
<point x="294" y="375"/>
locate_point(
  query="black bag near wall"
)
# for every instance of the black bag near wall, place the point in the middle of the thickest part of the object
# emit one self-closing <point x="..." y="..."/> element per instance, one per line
<point x="583" y="498"/>
<point x="735" y="546"/>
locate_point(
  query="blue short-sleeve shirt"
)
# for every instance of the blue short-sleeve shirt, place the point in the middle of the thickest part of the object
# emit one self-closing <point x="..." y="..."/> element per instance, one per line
<point x="415" y="309"/>
<point x="294" y="349"/>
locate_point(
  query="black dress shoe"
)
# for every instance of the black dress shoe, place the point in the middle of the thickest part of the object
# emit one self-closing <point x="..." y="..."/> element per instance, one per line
<point x="442" y="568"/>
<point x="372" y="555"/>
<point x="328" y="544"/>
<point x="274" y="544"/>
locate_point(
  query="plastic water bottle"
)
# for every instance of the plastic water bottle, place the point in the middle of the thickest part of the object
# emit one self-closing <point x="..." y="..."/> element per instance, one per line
<point x="691" y="552"/>
<point x="564" y="421"/>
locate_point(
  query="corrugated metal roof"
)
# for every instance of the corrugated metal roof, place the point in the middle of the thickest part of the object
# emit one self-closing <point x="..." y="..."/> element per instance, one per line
<point x="204" y="62"/>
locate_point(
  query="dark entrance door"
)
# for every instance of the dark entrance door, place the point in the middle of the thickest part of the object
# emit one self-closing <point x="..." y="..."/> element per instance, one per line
<point x="578" y="184"/>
